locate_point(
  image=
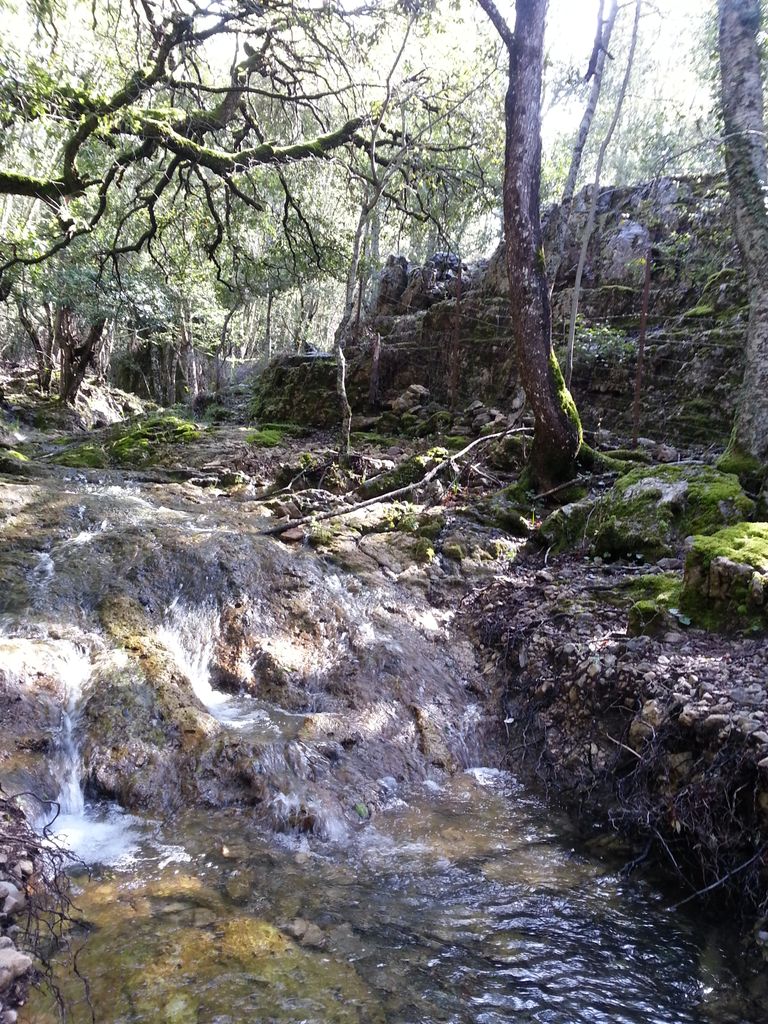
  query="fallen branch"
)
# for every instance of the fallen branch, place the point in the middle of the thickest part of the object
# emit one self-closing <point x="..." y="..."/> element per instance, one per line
<point x="399" y="492"/>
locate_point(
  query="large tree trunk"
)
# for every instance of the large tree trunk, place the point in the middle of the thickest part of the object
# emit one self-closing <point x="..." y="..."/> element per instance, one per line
<point x="557" y="427"/>
<point x="745" y="160"/>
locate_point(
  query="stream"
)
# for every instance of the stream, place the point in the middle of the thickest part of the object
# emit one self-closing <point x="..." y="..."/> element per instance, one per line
<point x="358" y="877"/>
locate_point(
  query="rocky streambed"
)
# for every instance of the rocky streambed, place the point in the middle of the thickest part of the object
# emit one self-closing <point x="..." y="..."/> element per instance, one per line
<point x="288" y="767"/>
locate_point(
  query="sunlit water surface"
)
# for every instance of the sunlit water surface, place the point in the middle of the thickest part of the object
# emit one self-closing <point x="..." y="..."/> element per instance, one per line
<point x="461" y="902"/>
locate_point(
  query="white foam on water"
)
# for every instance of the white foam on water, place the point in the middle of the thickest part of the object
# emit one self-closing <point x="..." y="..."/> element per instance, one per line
<point x="189" y="635"/>
<point x="75" y="670"/>
<point x="99" y="834"/>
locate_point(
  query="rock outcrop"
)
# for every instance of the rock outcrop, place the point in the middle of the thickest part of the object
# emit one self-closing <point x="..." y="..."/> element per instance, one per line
<point x="430" y="318"/>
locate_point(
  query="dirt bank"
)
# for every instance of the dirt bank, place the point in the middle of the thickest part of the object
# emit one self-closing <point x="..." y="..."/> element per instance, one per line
<point x="666" y="735"/>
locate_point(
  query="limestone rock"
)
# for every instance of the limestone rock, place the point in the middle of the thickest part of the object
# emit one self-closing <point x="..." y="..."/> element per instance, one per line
<point x="13" y="965"/>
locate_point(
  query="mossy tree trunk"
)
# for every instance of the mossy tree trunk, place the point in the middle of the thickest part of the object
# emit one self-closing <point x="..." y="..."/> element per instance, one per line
<point x="745" y="159"/>
<point x="557" y="427"/>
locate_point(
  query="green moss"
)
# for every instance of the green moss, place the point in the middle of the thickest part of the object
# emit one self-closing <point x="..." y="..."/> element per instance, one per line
<point x="454" y="551"/>
<point x="409" y="471"/>
<point x="719" y="277"/>
<point x="508" y="453"/>
<point x="603" y="462"/>
<point x="371" y="437"/>
<point x="322" y="535"/>
<point x="437" y="423"/>
<point x="650" y="510"/>
<point x="11" y="453"/>
<point x="745" y="543"/>
<point x="14" y="463"/>
<point x="267" y="437"/>
<point x="431" y="525"/>
<point x="512" y="516"/>
<point x="299" y="390"/>
<point x="566" y="527"/>
<point x="624" y="455"/>
<point x="455" y="442"/>
<point x="423" y="550"/>
<point x="141" y="444"/>
<point x="85" y="456"/>
<point x="750" y="471"/>
<point x="565" y="397"/>
<point x="725" y="586"/>
<point x="704" y="309"/>
<point x="655" y="599"/>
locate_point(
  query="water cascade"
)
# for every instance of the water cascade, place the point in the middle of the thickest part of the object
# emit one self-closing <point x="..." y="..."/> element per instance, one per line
<point x="375" y="864"/>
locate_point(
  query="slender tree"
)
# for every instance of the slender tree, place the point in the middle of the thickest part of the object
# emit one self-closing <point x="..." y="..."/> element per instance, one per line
<point x="592" y="210"/>
<point x="595" y="72"/>
<point x="557" y="426"/>
<point x="745" y="160"/>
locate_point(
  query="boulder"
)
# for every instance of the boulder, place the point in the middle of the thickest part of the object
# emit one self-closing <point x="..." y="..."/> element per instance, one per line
<point x="652" y="509"/>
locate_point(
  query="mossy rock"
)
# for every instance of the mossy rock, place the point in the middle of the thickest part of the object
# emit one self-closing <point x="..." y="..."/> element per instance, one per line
<point x="137" y="444"/>
<point x="371" y="437"/>
<point x="750" y="471"/>
<point x="454" y="442"/>
<point x="410" y="471"/>
<point x="725" y="582"/>
<point x="508" y="453"/>
<point x="505" y="514"/>
<point x="566" y="527"/>
<point x="651" y="510"/>
<point x="84" y="456"/>
<point x="14" y="463"/>
<point x="297" y="389"/>
<point x="437" y="423"/>
<point x="656" y="603"/>
<point x="270" y="435"/>
<point x="266" y="437"/>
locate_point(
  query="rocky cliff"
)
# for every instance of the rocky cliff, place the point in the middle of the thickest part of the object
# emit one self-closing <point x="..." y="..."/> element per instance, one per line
<point x="439" y="323"/>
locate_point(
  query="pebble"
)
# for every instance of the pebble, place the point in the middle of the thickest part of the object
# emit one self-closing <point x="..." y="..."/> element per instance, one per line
<point x="307" y="933"/>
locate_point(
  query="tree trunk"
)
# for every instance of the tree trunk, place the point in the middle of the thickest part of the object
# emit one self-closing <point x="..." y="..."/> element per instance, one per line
<point x="268" y="325"/>
<point x="42" y="342"/>
<point x="596" y="69"/>
<point x="589" y="226"/>
<point x="157" y="374"/>
<point x="745" y="160"/>
<point x="76" y="355"/>
<point x="557" y="427"/>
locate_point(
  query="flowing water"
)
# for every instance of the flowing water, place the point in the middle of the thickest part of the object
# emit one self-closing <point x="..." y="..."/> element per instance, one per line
<point x="451" y="899"/>
<point x="464" y="902"/>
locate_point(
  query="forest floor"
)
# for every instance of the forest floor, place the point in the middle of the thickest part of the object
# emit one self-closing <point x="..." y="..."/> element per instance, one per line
<point x="647" y="721"/>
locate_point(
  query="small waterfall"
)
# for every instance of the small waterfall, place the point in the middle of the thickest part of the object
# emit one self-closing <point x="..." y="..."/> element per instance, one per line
<point x="190" y="634"/>
<point x="76" y="670"/>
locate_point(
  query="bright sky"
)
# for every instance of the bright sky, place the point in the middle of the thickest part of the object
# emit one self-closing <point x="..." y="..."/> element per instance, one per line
<point x="671" y="28"/>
